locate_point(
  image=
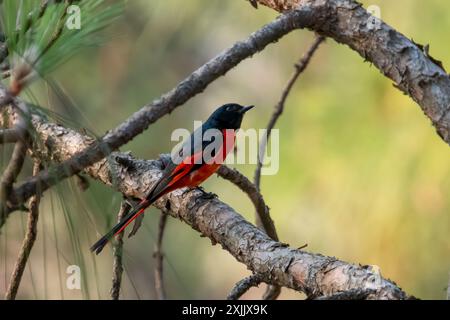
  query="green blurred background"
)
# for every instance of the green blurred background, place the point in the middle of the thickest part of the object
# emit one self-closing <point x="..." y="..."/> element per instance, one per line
<point x="363" y="175"/>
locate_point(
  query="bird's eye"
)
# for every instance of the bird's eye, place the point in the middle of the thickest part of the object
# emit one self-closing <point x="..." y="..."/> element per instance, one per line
<point x="230" y="108"/>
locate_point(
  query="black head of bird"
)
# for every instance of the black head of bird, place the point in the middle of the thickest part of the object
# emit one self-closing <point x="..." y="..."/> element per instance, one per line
<point x="228" y="116"/>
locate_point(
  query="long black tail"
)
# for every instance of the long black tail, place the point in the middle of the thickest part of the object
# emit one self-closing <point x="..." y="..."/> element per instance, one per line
<point x="119" y="227"/>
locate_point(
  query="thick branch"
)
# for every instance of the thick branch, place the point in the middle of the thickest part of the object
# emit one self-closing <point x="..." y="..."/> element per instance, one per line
<point x="276" y="263"/>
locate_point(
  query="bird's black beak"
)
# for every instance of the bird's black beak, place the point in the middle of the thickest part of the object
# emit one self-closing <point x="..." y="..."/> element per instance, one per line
<point x="245" y="109"/>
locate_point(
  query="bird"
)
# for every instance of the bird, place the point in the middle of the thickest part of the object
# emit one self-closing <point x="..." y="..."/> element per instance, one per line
<point x="189" y="165"/>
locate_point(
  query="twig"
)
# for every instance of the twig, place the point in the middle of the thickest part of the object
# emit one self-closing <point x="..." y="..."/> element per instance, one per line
<point x="243" y="183"/>
<point x="159" y="256"/>
<point x="243" y="286"/>
<point x="278" y="110"/>
<point x="28" y="242"/>
<point x="117" y="253"/>
<point x="188" y="88"/>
